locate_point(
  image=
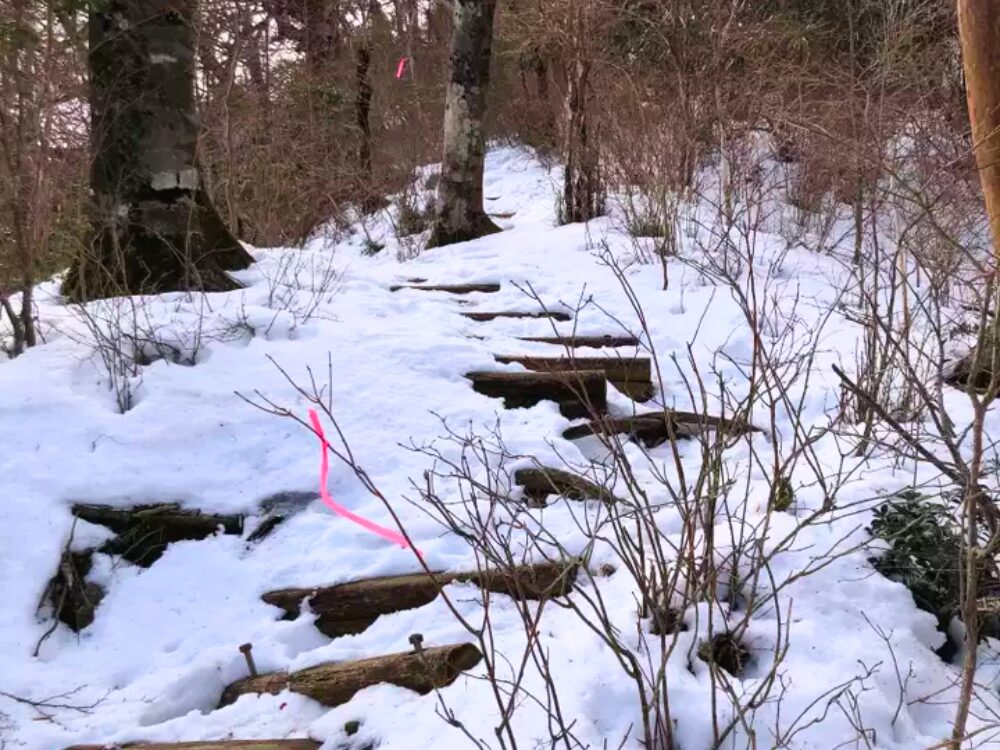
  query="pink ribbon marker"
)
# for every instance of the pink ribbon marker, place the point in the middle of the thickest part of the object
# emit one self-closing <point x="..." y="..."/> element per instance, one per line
<point x="401" y="68"/>
<point x="324" y="474"/>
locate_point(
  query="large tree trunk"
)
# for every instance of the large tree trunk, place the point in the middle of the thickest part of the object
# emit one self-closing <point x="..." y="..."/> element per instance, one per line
<point x="155" y="229"/>
<point x="320" y="27"/>
<point x="979" y="29"/>
<point x="459" y="214"/>
<point x="583" y="196"/>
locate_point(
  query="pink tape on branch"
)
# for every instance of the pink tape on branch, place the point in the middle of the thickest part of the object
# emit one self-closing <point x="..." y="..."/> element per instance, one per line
<point x="401" y="68"/>
<point x="324" y="475"/>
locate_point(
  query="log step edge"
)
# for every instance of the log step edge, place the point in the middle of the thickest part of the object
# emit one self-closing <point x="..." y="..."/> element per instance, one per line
<point x="209" y="745"/>
<point x="449" y="288"/>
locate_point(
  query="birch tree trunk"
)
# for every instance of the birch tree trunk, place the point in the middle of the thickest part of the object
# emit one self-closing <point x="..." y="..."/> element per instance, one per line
<point x="459" y="215"/>
<point x="154" y="228"/>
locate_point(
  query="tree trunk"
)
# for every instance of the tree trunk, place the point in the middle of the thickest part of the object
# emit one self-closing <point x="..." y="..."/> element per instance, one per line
<point x="979" y="29"/>
<point x="362" y="112"/>
<point x="154" y="228"/>
<point x="322" y="40"/>
<point x="460" y="215"/>
<point x="583" y="197"/>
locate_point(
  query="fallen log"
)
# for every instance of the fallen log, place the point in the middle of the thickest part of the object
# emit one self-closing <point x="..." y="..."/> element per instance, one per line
<point x="349" y="608"/>
<point x="632" y="376"/>
<point x="579" y="393"/>
<point x="144" y="531"/>
<point x="335" y="684"/>
<point x="656" y="428"/>
<point x="210" y="745"/>
<point x="485" y="316"/>
<point x="449" y="288"/>
<point x="539" y="483"/>
<point x="966" y="369"/>
<point x="594" y="342"/>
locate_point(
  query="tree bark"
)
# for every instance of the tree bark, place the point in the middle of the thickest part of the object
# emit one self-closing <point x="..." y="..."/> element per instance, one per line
<point x="320" y="27"/>
<point x="979" y="30"/>
<point x="350" y="608"/>
<point x="459" y="213"/>
<point x="154" y="227"/>
<point x="335" y="684"/>
<point x="583" y="197"/>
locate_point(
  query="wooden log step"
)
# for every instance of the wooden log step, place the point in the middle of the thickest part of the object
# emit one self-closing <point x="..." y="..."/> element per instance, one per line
<point x="579" y="393"/>
<point x="575" y="342"/>
<point x="632" y="376"/>
<point x="539" y="483"/>
<point x="211" y="745"/>
<point x="652" y="429"/>
<point x="349" y="608"/>
<point x="336" y="683"/>
<point x="449" y="288"/>
<point x="144" y="531"/>
<point x="485" y="316"/>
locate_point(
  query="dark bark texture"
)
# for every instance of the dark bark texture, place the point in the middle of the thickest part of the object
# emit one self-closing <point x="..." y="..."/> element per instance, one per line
<point x="335" y="684"/>
<point x="155" y="229"/>
<point x="349" y="608"/>
<point x="459" y="214"/>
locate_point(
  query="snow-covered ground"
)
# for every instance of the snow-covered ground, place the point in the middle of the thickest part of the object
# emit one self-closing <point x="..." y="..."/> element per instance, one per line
<point x="164" y="642"/>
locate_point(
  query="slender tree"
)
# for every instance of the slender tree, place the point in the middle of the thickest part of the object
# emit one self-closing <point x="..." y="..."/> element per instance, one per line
<point x="154" y="228"/>
<point x="459" y="214"/>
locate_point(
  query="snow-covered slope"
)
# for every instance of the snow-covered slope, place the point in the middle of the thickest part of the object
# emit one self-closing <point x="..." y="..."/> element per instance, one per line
<point x="164" y="641"/>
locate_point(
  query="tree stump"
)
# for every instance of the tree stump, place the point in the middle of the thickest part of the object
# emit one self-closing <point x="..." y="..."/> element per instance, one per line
<point x="144" y="531"/>
<point x="632" y="376"/>
<point x="73" y="598"/>
<point x="349" y="608"/>
<point x="579" y="393"/>
<point x="335" y="684"/>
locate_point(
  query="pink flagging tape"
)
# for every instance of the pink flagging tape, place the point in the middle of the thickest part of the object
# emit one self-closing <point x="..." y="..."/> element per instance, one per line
<point x="401" y="68"/>
<point x="324" y="475"/>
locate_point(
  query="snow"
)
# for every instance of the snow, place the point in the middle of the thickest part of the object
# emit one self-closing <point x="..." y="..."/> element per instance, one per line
<point x="164" y="641"/>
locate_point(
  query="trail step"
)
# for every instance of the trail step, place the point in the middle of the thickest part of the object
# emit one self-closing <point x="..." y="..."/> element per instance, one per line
<point x="211" y="745"/>
<point x="335" y="684"/>
<point x="539" y="483"/>
<point x="632" y="376"/>
<point x="579" y="393"/>
<point x="655" y="428"/>
<point x="485" y="316"/>
<point x="575" y="342"/>
<point x="450" y="288"/>
<point x="144" y="531"/>
<point x="349" y="608"/>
